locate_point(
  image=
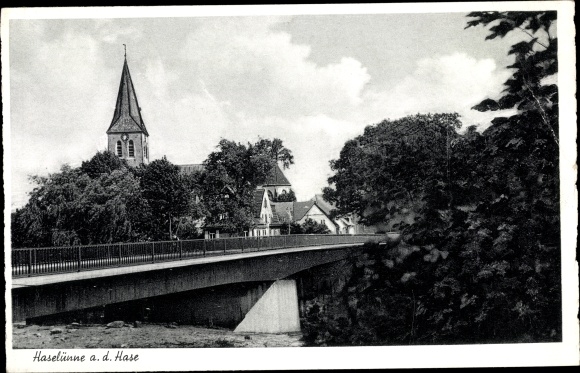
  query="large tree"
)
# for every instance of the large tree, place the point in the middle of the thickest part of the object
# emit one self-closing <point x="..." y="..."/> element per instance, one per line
<point x="390" y="167"/>
<point x="276" y="150"/>
<point x="102" y="163"/>
<point x="71" y="208"/>
<point x="166" y="192"/>
<point x="482" y="261"/>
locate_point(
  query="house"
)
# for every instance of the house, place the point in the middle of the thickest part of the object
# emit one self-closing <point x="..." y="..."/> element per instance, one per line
<point x="347" y="224"/>
<point x="299" y="212"/>
<point x="266" y="221"/>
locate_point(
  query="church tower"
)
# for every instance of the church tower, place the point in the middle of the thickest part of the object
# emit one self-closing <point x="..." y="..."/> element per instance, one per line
<point x="127" y="135"/>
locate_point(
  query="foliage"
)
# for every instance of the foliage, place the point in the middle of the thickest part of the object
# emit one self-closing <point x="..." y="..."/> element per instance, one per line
<point x="481" y="262"/>
<point x="276" y="150"/>
<point x="165" y="191"/>
<point x="285" y="197"/>
<point x="308" y="227"/>
<point x="102" y="163"/>
<point x="70" y="208"/>
<point x="390" y="166"/>
<point x="536" y="60"/>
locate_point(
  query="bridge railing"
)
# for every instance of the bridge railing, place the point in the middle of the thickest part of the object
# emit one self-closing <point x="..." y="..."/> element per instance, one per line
<point x="41" y="261"/>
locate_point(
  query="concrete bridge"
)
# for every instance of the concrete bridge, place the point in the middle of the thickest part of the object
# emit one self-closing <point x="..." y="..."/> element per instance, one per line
<point x="267" y="301"/>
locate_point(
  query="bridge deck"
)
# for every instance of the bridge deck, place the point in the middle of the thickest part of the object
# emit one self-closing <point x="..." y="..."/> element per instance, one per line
<point x="23" y="282"/>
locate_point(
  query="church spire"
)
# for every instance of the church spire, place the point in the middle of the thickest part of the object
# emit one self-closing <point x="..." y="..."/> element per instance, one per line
<point x="127" y="116"/>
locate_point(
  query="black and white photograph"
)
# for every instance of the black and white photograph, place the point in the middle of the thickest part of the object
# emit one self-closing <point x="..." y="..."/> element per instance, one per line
<point x="290" y="187"/>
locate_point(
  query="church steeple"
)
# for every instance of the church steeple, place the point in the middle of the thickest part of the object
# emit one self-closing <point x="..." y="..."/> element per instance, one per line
<point x="127" y="115"/>
<point x="127" y="132"/>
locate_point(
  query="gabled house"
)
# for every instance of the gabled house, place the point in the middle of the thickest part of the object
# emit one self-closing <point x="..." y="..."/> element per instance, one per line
<point x="347" y="224"/>
<point x="266" y="221"/>
<point x="299" y="212"/>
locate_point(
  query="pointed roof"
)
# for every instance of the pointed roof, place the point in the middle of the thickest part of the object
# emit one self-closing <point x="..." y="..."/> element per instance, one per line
<point x="323" y="204"/>
<point x="257" y="202"/>
<point x="127" y="117"/>
<point x="277" y="178"/>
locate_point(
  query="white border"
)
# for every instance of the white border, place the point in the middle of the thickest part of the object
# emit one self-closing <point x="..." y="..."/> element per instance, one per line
<point x="565" y="353"/>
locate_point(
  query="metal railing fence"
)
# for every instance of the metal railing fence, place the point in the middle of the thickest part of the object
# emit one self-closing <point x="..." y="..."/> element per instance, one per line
<point x="49" y="260"/>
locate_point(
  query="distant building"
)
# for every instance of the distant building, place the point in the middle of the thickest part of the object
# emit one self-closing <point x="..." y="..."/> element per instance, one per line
<point x="310" y="210"/>
<point x="127" y="135"/>
<point x="347" y="224"/>
<point x="276" y="184"/>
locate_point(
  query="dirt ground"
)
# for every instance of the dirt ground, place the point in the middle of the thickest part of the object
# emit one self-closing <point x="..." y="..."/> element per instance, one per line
<point x="143" y="336"/>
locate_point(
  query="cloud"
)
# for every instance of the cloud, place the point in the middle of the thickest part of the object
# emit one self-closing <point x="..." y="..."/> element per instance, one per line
<point x="449" y="83"/>
<point x="262" y="72"/>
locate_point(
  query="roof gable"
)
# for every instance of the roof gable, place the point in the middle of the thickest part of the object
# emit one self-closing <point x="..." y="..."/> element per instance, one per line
<point x="301" y="208"/>
<point x="127" y="116"/>
<point x="258" y="199"/>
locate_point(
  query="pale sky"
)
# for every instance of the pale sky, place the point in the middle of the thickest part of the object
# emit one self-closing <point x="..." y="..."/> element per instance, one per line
<point x="313" y="81"/>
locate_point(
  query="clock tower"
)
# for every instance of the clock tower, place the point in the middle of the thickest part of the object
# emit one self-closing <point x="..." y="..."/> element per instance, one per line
<point x="127" y="135"/>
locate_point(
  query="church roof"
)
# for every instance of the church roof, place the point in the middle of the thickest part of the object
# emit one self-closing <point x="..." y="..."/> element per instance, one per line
<point x="127" y="117"/>
<point x="188" y="169"/>
<point x="277" y="178"/>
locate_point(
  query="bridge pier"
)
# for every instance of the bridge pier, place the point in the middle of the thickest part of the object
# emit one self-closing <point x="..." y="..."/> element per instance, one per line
<point x="275" y="312"/>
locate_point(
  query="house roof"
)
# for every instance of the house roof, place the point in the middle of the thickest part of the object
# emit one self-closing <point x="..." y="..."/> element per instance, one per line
<point x="127" y="116"/>
<point x="277" y="178"/>
<point x="324" y="205"/>
<point x="300" y="209"/>
<point x="188" y="169"/>
<point x="257" y="202"/>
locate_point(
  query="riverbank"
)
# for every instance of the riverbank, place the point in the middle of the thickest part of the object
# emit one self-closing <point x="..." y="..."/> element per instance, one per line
<point x="141" y="336"/>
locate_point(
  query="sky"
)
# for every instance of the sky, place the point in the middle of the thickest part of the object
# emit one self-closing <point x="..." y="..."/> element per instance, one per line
<point x="314" y="81"/>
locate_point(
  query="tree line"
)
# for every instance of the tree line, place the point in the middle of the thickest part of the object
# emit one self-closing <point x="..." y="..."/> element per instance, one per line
<point x="106" y="201"/>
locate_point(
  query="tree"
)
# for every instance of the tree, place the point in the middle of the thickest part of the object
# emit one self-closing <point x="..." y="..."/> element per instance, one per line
<point x="70" y="208"/>
<point x="102" y="163"/>
<point x="231" y="176"/>
<point x="312" y="227"/>
<point x="481" y="263"/>
<point x="166" y="193"/>
<point x="285" y="197"/>
<point x="389" y="167"/>
<point x="276" y="150"/>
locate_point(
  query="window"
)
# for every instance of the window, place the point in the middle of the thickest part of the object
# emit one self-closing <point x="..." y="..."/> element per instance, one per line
<point x="146" y="155"/>
<point x="119" y="149"/>
<point x="131" y="148"/>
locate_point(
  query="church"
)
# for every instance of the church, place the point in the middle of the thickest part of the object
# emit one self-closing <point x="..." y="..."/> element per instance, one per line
<point x="129" y="140"/>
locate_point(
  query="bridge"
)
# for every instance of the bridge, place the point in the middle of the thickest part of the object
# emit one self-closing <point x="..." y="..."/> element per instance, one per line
<point x="60" y="280"/>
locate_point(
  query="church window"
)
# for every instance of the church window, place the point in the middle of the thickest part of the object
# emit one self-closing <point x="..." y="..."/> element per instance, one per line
<point x="146" y="153"/>
<point x="131" y="148"/>
<point x="119" y="149"/>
